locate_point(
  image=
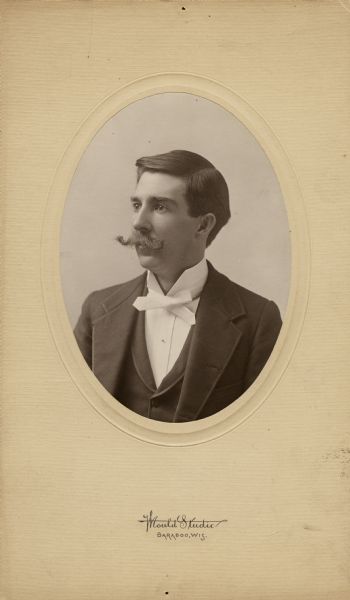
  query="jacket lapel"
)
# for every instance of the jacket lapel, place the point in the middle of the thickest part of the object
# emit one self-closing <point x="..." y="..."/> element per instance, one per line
<point x="215" y="339"/>
<point x="112" y="333"/>
<point x="140" y="354"/>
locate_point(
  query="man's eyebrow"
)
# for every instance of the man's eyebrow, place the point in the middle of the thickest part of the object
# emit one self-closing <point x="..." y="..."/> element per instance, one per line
<point x="155" y="199"/>
<point x="162" y="199"/>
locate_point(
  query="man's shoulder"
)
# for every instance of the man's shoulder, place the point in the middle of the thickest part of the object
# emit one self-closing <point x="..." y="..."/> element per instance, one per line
<point x="251" y="302"/>
<point x="101" y="301"/>
<point x="249" y="297"/>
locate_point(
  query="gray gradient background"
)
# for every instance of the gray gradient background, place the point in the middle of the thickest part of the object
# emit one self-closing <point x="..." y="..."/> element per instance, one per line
<point x="253" y="249"/>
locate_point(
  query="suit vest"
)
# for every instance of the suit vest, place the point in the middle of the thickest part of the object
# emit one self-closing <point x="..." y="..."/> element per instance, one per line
<point x="137" y="389"/>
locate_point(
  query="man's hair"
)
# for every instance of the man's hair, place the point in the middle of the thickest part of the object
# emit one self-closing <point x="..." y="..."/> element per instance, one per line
<point x="206" y="189"/>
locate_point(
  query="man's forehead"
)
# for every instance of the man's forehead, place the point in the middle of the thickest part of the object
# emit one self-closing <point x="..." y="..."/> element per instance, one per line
<point x="160" y="184"/>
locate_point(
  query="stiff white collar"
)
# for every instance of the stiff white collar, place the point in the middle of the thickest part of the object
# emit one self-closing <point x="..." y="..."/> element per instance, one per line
<point x="191" y="280"/>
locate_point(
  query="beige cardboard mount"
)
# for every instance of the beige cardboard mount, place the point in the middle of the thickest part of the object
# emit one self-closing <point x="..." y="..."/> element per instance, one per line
<point x="251" y="503"/>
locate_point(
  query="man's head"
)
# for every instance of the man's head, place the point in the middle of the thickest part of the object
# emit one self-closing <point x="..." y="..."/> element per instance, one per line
<point x="205" y="188"/>
<point x="180" y="204"/>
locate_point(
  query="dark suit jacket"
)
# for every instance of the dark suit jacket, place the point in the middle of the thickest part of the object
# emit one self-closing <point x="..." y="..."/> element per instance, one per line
<point x="233" y="337"/>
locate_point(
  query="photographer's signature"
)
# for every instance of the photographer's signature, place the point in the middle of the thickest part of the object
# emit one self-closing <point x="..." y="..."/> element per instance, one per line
<point x="179" y="527"/>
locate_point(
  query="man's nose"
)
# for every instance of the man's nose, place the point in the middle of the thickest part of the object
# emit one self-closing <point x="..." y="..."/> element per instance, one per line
<point x="141" y="219"/>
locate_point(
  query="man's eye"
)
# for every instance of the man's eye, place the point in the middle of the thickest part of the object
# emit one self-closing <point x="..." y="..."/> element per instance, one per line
<point x="135" y="205"/>
<point x="160" y="207"/>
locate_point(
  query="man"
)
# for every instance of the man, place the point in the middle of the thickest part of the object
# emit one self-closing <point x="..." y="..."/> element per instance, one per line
<point x="180" y="342"/>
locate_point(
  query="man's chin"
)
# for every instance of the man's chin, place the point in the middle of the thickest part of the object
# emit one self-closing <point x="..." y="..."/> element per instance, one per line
<point x="147" y="260"/>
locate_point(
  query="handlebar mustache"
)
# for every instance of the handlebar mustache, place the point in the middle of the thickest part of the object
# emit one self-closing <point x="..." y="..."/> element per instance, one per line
<point x="136" y="238"/>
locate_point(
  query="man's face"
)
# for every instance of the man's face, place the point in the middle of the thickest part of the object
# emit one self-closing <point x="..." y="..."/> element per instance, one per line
<point x="161" y="213"/>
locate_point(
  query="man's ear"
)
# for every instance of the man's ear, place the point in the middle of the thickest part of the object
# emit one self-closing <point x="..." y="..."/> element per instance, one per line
<point x="206" y="224"/>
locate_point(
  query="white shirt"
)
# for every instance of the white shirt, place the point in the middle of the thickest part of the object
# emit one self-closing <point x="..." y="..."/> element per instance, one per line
<point x="165" y="332"/>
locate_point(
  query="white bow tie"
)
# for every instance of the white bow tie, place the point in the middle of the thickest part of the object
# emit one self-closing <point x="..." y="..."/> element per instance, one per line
<point x="174" y="304"/>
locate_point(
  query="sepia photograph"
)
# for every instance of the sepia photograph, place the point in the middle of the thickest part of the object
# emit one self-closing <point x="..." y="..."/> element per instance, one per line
<point x="175" y="374"/>
<point x="175" y="257"/>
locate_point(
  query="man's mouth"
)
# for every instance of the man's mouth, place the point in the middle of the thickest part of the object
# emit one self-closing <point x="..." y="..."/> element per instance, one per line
<point x="143" y="250"/>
